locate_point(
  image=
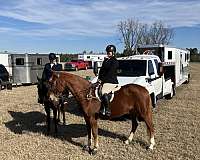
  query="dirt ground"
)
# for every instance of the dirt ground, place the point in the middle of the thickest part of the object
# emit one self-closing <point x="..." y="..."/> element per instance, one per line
<point x="176" y="121"/>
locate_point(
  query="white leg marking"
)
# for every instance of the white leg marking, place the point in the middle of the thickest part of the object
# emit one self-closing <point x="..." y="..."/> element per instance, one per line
<point x="130" y="138"/>
<point x="152" y="143"/>
<point x="96" y="145"/>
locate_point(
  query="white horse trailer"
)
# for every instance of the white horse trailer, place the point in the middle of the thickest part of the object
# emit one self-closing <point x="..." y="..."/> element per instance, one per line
<point x="6" y="61"/>
<point x="175" y="61"/>
<point x="92" y="58"/>
<point x="24" y="68"/>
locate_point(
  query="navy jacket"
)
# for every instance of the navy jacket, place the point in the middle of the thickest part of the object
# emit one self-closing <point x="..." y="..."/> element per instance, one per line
<point x="46" y="75"/>
<point x="108" y="71"/>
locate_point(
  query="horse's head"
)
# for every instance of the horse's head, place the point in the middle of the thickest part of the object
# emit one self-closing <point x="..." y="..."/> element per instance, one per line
<point x="42" y="90"/>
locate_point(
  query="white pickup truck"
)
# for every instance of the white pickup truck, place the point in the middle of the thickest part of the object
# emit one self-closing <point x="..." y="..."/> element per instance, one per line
<point x="145" y="70"/>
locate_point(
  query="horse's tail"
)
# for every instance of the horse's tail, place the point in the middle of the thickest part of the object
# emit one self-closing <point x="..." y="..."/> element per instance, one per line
<point x="150" y="115"/>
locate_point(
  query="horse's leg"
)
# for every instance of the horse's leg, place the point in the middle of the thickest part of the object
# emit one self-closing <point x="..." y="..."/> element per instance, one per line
<point x="58" y="110"/>
<point x="94" y="127"/>
<point x="47" y="110"/>
<point x="55" y="118"/>
<point x="89" y="131"/>
<point x="150" y="130"/>
<point x="63" y="112"/>
<point x="134" y="127"/>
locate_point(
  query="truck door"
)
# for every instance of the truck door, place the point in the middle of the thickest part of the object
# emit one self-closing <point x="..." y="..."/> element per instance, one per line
<point x="155" y="80"/>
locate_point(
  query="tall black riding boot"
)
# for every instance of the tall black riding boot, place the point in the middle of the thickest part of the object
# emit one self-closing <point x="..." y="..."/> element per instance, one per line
<point x="105" y="110"/>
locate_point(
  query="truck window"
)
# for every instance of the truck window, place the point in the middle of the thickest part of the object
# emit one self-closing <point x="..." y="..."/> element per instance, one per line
<point x="132" y="68"/>
<point x="150" y="68"/>
<point x="156" y="63"/>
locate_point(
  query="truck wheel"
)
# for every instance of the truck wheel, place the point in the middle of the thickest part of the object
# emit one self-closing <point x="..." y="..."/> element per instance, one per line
<point x="153" y="100"/>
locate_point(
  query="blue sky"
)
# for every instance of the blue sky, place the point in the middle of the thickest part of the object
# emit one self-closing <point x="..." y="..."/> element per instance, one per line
<point x="76" y="25"/>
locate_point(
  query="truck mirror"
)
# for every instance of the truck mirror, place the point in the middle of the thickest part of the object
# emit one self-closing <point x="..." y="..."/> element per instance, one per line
<point x="95" y="68"/>
<point x="160" y="69"/>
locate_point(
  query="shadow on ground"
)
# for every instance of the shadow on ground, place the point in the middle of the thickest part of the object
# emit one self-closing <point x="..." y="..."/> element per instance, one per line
<point x="35" y="122"/>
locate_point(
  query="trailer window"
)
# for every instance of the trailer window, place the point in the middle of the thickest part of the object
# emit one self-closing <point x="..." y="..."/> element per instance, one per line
<point x="39" y="61"/>
<point x="19" y="61"/>
<point x="169" y="54"/>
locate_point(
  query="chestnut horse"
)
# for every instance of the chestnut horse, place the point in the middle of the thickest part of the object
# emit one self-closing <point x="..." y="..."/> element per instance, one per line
<point x="56" y="106"/>
<point x="129" y="99"/>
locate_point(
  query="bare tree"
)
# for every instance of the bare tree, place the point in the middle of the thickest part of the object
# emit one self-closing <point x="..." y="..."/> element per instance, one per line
<point x="160" y="34"/>
<point x="134" y="33"/>
<point x="130" y="30"/>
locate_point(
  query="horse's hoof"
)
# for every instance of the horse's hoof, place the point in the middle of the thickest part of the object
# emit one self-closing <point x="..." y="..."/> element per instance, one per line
<point x="86" y="148"/>
<point x="149" y="148"/>
<point x="93" y="151"/>
<point x="127" y="142"/>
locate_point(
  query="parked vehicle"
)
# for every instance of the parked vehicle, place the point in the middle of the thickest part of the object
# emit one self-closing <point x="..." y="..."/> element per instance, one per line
<point x="24" y="68"/>
<point x="5" y="81"/>
<point x="175" y="61"/>
<point x="159" y="69"/>
<point x="76" y="65"/>
<point x="92" y="58"/>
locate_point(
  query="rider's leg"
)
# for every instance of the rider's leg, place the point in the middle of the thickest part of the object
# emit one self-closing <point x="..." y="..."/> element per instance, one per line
<point x="106" y="108"/>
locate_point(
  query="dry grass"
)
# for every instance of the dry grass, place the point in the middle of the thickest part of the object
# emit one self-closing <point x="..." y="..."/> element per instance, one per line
<point x="177" y="124"/>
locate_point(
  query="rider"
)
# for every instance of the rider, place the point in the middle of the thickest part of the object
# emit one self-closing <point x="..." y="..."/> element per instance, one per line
<point x="108" y="77"/>
<point x="52" y="65"/>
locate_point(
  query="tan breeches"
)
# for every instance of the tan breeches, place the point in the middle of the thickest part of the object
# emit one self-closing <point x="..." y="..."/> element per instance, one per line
<point x="108" y="87"/>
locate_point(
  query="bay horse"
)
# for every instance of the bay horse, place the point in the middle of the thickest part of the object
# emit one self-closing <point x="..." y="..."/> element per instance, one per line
<point x="56" y="105"/>
<point x="130" y="99"/>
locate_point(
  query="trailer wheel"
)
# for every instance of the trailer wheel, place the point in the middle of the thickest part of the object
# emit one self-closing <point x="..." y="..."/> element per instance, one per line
<point x="188" y="80"/>
<point x="174" y="90"/>
<point x="170" y="95"/>
<point x="9" y="86"/>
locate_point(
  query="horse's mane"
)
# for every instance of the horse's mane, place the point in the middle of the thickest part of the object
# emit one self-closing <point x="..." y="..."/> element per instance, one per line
<point x="74" y="83"/>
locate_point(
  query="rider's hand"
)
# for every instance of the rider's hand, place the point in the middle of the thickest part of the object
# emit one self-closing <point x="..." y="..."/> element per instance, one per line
<point x="99" y="81"/>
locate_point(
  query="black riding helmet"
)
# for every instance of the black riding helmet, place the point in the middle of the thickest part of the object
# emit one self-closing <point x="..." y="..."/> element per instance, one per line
<point x="52" y="56"/>
<point x="111" y="48"/>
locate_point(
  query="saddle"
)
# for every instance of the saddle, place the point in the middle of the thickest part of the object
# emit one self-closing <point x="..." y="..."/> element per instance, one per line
<point x="98" y="91"/>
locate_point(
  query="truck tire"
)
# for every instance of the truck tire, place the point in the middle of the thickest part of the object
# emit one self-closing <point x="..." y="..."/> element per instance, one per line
<point x="153" y="100"/>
